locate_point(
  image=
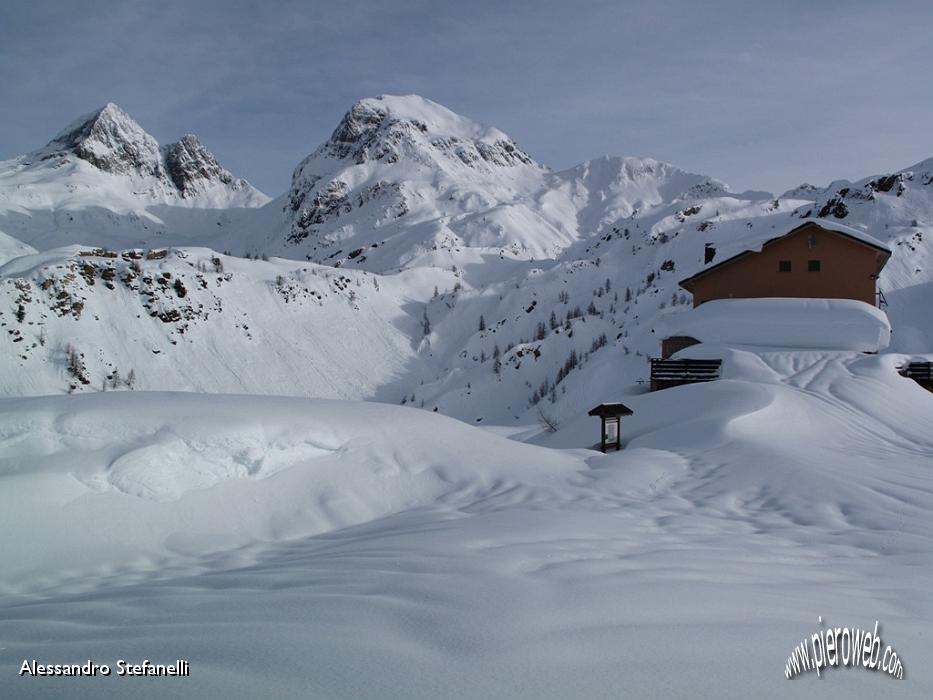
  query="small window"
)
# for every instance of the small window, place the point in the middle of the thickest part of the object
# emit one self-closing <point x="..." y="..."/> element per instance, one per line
<point x="783" y="265"/>
<point x="813" y="265"/>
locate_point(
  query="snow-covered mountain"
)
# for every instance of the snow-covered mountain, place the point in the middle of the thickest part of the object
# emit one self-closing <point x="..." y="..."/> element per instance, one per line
<point x="405" y="182"/>
<point x="424" y="258"/>
<point x="104" y="181"/>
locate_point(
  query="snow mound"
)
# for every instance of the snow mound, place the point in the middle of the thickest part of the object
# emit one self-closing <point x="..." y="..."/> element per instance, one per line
<point x="147" y="477"/>
<point x="831" y="324"/>
<point x="11" y="248"/>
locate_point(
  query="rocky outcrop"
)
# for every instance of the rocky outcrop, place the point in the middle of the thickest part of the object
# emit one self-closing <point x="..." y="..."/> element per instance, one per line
<point x="190" y="166"/>
<point x="407" y="134"/>
<point x="112" y="141"/>
<point x="373" y="131"/>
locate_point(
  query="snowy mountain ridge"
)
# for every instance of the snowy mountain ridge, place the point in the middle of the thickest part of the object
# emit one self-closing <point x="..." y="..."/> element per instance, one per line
<point x="469" y="279"/>
<point x="104" y="180"/>
<point x="112" y="141"/>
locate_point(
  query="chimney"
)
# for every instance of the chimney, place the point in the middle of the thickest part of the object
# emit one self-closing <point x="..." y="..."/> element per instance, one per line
<point x="709" y="252"/>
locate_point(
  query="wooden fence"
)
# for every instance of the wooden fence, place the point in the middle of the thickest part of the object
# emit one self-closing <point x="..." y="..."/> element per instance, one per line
<point x="920" y="372"/>
<point x="668" y="373"/>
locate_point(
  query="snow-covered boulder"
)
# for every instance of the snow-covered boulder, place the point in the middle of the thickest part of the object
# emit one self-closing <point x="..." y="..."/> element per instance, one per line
<point x="832" y="324"/>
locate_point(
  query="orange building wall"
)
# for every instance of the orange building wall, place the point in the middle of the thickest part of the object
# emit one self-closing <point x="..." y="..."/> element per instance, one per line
<point x="847" y="270"/>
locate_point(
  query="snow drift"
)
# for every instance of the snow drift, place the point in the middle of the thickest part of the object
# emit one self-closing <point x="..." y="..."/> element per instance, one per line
<point x="831" y="324"/>
<point x="300" y="548"/>
<point x="91" y="482"/>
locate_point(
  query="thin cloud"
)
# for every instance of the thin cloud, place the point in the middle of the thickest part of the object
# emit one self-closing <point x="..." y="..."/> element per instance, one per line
<point x="762" y="96"/>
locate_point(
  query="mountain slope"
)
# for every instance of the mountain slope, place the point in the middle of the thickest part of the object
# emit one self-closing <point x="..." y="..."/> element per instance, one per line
<point x="483" y="285"/>
<point x="404" y="182"/>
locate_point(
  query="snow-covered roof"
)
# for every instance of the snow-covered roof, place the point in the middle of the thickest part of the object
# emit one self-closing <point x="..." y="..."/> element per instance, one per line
<point x="829" y="324"/>
<point x="755" y="242"/>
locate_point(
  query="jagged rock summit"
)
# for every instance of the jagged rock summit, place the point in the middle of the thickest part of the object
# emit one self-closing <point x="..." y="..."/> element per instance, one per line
<point x="105" y="179"/>
<point x="389" y="128"/>
<point x="393" y="157"/>
<point x="190" y="165"/>
<point x="110" y="140"/>
<point x="403" y="180"/>
<point x="113" y="142"/>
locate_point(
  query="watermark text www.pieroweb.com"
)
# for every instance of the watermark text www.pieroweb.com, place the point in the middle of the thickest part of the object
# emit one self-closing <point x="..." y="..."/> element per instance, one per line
<point x="849" y="647"/>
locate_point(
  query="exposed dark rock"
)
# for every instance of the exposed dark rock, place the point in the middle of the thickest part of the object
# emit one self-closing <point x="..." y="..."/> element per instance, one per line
<point x="190" y="165"/>
<point x="836" y="207"/>
<point x="111" y="141"/>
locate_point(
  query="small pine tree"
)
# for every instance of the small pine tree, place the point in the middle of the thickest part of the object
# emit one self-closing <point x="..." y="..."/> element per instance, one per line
<point x="115" y="379"/>
<point x="482" y="323"/>
<point x="426" y="323"/>
<point x="131" y="379"/>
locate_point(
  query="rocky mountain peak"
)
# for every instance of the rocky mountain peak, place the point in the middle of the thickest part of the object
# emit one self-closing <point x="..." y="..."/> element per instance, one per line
<point x="190" y="165"/>
<point x="112" y="141"/>
<point x="386" y="148"/>
<point x="388" y="128"/>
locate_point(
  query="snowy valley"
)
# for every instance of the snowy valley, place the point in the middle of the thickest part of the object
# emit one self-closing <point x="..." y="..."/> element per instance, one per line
<point x="335" y="443"/>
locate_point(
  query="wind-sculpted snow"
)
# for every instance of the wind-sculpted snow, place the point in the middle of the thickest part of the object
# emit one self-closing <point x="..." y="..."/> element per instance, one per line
<point x="154" y="475"/>
<point x="349" y="543"/>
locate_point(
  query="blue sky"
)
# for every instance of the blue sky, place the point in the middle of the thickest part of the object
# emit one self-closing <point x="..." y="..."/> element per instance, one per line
<point x="763" y="95"/>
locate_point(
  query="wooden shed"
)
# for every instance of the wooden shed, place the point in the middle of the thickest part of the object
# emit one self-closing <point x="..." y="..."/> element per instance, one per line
<point x="811" y="261"/>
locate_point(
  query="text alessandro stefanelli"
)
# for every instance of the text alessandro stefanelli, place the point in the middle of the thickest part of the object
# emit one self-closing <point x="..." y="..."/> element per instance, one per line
<point x="30" y="667"/>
